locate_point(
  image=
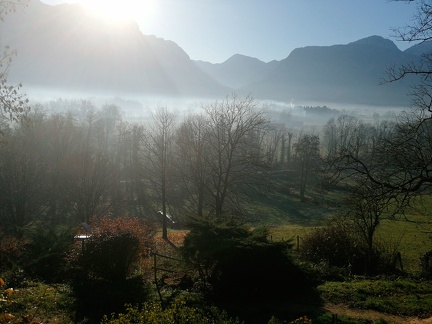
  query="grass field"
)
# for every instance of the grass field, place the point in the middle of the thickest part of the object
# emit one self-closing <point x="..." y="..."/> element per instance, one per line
<point x="288" y="218"/>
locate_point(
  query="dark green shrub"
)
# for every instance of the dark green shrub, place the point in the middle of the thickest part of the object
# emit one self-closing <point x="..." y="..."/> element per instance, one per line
<point x="241" y="264"/>
<point x="110" y="256"/>
<point x="112" y="250"/>
<point x="102" y="269"/>
<point x="45" y="251"/>
<point x="97" y="297"/>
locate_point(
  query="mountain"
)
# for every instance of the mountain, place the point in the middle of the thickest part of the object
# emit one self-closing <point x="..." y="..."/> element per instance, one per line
<point x="351" y="73"/>
<point x="67" y="47"/>
<point x="420" y="49"/>
<point x="238" y="71"/>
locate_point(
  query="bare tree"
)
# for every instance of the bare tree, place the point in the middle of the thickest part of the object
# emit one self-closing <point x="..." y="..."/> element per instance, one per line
<point x="232" y="151"/>
<point x="192" y="167"/>
<point x="158" y="149"/>
<point x="273" y="143"/>
<point x="23" y="172"/>
<point x="308" y="157"/>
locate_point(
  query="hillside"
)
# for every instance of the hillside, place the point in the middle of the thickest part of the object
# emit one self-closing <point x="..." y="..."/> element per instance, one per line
<point x="65" y="46"/>
<point x="351" y="73"/>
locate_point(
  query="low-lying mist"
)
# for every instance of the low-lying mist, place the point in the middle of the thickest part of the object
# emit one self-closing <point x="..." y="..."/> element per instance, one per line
<point x="139" y="108"/>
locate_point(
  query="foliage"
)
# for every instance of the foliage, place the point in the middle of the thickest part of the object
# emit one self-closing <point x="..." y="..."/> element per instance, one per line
<point x="178" y="312"/>
<point x="45" y="251"/>
<point x="103" y="266"/>
<point x="13" y="104"/>
<point x="328" y="318"/>
<point x="11" y="251"/>
<point x="397" y="297"/>
<point x="333" y="244"/>
<point x="113" y="248"/>
<point x="338" y="245"/>
<point x="241" y="264"/>
<point x="35" y="302"/>
<point x="97" y="297"/>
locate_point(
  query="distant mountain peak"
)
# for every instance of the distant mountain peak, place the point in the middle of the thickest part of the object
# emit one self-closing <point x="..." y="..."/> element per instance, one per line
<point x="243" y="59"/>
<point x="66" y="46"/>
<point x="376" y="41"/>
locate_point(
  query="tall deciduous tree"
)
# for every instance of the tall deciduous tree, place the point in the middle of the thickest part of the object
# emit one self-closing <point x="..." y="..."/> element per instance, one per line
<point x="308" y="157"/>
<point x="232" y="150"/>
<point x="158" y="150"/>
<point x="23" y="174"/>
<point x="192" y="167"/>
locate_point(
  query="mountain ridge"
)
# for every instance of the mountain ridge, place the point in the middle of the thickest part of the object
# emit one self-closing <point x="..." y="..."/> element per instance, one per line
<point x="65" y="47"/>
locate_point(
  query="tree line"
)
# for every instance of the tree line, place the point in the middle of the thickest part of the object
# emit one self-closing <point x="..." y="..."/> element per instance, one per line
<point x="64" y="168"/>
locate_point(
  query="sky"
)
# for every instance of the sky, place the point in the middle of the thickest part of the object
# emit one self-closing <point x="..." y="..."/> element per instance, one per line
<point x="214" y="30"/>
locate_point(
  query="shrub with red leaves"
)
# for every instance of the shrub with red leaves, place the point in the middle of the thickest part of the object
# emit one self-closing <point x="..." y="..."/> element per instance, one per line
<point x="113" y="248"/>
<point x="11" y="250"/>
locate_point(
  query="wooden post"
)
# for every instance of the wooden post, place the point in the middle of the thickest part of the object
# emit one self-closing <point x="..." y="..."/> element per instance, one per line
<point x="298" y="243"/>
<point x="334" y="318"/>
<point x="399" y="256"/>
<point x="155" y="279"/>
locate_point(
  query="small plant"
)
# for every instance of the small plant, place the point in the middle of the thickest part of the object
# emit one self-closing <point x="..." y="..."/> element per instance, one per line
<point x="178" y="312"/>
<point x="35" y="303"/>
<point x="396" y="297"/>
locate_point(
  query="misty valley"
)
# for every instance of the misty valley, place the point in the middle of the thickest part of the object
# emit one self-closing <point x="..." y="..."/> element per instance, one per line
<point x="140" y="186"/>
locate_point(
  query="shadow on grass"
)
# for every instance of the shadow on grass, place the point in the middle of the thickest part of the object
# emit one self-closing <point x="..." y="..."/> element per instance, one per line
<point x="276" y="209"/>
<point x="95" y="298"/>
<point x="286" y="309"/>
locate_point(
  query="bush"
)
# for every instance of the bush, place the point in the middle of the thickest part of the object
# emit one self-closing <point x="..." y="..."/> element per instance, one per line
<point x="11" y="251"/>
<point x="337" y="245"/>
<point x="112" y="250"/>
<point x="110" y="256"/>
<point x="102" y="269"/>
<point x="178" y="312"/>
<point x="45" y="251"/>
<point x="241" y="264"/>
<point x="334" y="245"/>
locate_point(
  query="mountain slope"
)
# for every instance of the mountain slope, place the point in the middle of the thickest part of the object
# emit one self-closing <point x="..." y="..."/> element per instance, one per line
<point x="65" y="46"/>
<point x="351" y="73"/>
<point x="238" y="71"/>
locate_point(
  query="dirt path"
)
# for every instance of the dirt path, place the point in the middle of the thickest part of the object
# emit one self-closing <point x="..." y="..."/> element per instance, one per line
<point x="373" y="315"/>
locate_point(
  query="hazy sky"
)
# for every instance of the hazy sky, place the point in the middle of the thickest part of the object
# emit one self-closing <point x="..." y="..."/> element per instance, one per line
<point x="214" y="30"/>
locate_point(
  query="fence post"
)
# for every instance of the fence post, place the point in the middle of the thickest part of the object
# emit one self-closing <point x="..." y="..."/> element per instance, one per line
<point x="399" y="256"/>
<point x="155" y="279"/>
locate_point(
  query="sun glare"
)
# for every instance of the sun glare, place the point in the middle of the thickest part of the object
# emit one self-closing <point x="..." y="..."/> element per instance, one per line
<point x="122" y="9"/>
